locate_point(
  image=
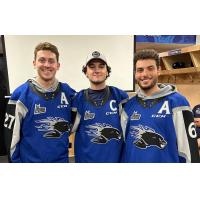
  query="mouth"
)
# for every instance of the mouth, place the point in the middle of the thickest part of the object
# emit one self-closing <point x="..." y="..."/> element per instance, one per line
<point x="97" y="75"/>
<point x="145" y="81"/>
<point x="47" y="71"/>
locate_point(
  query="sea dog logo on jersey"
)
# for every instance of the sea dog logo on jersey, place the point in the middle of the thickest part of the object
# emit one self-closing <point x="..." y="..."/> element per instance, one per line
<point x="39" y="110"/>
<point x="88" y="115"/>
<point x="147" y="137"/>
<point x="102" y="133"/>
<point x="53" y="127"/>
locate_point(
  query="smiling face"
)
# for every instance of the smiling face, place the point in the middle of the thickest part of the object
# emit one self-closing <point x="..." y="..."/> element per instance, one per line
<point x="146" y="75"/>
<point x="97" y="73"/>
<point x="46" y="65"/>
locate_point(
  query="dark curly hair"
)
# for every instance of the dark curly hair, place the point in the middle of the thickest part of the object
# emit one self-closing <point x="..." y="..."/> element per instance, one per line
<point x="147" y="54"/>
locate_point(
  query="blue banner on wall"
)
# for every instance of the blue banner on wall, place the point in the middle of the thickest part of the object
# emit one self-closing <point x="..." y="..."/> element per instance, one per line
<point x="167" y="39"/>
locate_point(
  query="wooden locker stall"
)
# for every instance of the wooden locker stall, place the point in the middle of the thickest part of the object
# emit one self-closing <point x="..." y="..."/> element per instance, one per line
<point x="182" y="68"/>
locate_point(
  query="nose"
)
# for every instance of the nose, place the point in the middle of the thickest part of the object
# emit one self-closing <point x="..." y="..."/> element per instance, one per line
<point x="96" y="69"/>
<point x="46" y="63"/>
<point x="145" y="72"/>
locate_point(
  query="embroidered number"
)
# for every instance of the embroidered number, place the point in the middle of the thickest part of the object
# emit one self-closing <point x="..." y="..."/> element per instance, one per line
<point x="9" y="120"/>
<point x="192" y="131"/>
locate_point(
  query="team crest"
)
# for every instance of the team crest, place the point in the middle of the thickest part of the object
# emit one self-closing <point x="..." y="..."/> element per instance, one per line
<point x="89" y="115"/>
<point x="103" y="133"/>
<point x="95" y="54"/>
<point x="39" y="110"/>
<point x="197" y="111"/>
<point x="147" y="137"/>
<point x="53" y="127"/>
<point x="135" y="116"/>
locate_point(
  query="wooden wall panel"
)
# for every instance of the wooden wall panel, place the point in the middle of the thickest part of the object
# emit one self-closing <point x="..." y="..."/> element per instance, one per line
<point x="192" y="92"/>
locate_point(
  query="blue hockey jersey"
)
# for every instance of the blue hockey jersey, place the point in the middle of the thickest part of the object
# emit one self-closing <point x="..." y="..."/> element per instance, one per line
<point x="159" y="129"/>
<point x="98" y="136"/>
<point x="39" y="124"/>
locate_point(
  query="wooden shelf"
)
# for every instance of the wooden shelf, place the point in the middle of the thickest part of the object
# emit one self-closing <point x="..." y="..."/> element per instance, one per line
<point x="179" y="71"/>
<point x="190" y="56"/>
<point x="180" y="51"/>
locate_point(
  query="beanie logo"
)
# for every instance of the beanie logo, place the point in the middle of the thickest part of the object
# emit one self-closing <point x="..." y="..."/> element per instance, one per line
<point x="197" y="111"/>
<point x="95" y="54"/>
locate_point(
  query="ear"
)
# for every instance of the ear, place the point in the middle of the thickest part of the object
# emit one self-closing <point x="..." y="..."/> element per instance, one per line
<point x="58" y="66"/>
<point x="34" y="64"/>
<point x="159" y="70"/>
<point x="86" y="74"/>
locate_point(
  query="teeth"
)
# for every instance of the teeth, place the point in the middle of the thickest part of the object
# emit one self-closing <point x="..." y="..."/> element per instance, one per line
<point x="146" y="79"/>
<point x="46" y="70"/>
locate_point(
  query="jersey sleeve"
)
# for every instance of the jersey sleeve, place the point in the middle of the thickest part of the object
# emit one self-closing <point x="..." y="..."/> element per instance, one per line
<point x="124" y="100"/>
<point x="124" y="123"/>
<point x="71" y="93"/>
<point x="124" y="118"/>
<point x="121" y="97"/>
<point x="185" y="132"/>
<point x="9" y="124"/>
<point x="14" y="114"/>
<point x="76" y="116"/>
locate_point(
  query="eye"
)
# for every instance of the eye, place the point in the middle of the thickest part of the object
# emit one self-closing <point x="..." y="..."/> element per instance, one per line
<point x="91" y="66"/>
<point x="51" y="61"/>
<point x="139" y="70"/>
<point x="101" y="66"/>
<point x="151" y="68"/>
<point x="41" y="60"/>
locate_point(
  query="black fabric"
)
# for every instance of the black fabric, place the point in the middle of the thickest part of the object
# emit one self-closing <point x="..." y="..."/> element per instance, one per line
<point x="97" y="97"/>
<point x="2" y="117"/>
<point x="191" y="135"/>
<point x="148" y="103"/>
<point x="4" y="91"/>
<point x="9" y="123"/>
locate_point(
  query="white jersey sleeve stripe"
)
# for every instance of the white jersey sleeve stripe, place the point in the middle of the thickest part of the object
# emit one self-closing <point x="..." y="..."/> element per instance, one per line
<point x="20" y="113"/>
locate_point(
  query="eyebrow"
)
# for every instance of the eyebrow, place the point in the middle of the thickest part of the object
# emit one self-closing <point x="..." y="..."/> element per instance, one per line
<point x="46" y="58"/>
<point x="146" y="66"/>
<point x="102" y="64"/>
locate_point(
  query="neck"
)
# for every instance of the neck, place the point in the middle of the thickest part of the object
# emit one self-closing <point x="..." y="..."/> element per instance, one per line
<point x="97" y="86"/>
<point x="150" y="92"/>
<point x="45" y="84"/>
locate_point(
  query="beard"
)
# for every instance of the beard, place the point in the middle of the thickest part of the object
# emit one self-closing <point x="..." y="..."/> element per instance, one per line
<point x="148" y="87"/>
<point x="98" y="82"/>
